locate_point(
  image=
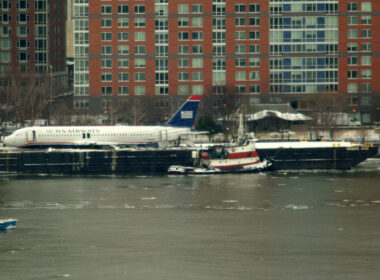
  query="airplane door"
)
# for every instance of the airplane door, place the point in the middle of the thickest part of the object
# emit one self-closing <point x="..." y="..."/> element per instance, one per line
<point x="32" y="136"/>
<point x="163" y="135"/>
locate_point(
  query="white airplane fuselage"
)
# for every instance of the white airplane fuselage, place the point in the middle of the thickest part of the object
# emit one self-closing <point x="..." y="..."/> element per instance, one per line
<point x="178" y="125"/>
<point x="68" y="136"/>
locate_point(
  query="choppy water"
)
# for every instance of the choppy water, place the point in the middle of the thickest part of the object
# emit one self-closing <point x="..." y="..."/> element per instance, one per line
<point x="288" y="225"/>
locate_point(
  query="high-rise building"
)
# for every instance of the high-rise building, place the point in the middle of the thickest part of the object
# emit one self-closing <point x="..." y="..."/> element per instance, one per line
<point x="32" y="36"/>
<point x="260" y="47"/>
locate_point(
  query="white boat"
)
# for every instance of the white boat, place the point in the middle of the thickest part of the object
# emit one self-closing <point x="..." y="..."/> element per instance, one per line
<point x="8" y="224"/>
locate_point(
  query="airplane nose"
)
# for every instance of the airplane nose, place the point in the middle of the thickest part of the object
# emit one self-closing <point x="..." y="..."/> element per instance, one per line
<point x="6" y="141"/>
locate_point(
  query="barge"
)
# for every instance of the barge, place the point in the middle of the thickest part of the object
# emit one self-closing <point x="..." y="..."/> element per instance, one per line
<point x="290" y="155"/>
<point x="302" y="154"/>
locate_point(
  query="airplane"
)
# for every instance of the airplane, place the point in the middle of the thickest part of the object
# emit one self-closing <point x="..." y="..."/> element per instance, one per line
<point x="178" y="125"/>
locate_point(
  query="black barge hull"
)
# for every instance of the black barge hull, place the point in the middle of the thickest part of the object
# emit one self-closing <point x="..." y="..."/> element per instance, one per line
<point x="101" y="162"/>
<point x="157" y="161"/>
<point x="317" y="158"/>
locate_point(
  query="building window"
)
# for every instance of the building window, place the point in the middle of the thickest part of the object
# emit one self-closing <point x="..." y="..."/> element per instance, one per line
<point x="183" y="62"/>
<point x="140" y="49"/>
<point x="183" y="22"/>
<point x="254" y="48"/>
<point x="366" y="6"/>
<point x="122" y="9"/>
<point x="197" y="22"/>
<point x="123" y="22"/>
<point x="353" y="20"/>
<point x="366" y="47"/>
<point x="107" y="50"/>
<point x="366" y="33"/>
<point x="352" y="6"/>
<point x="183" y="49"/>
<point x="106" y="9"/>
<point x="183" y="8"/>
<point x="241" y="88"/>
<point x="183" y="89"/>
<point x="122" y="49"/>
<point x="254" y="89"/>
<point x="197" y="63"/>
<point x="240" y="76"/>
<point x="106" y="36"/>
<point x="140" y="90"/>
<point x="352" y="74"/>
<point x="140" y="36"/>
<point x="254" y="75"/>
<point x="197" y="76"/>
<point x="106" y="23"/>
<point x="367" y="60"/>
<point x="254" y="35"/>
<point x="239" y="8"/>
<point x="352" y="87"/>
<point x="240" y="21"/>
<point x="123" y="76"/>
<point x="240" y="62"/>
<point x="254" y="8"/>
<point x="123" y="36"/>
<point x="254" y="62"/>
<point x="197" y="89"/>
<point x="182" y="36"/>
<point x="107" y="90"/>
<point x="366" y="87"/>
<point x="123" y="63"/>
<point x="352" y="47"/>
<point x="183" y="76"/>
<point x="106" y="63"/>
<point x="140" y="22"/>
<point x="240" y="49"/>
<point x="139" y="9"/>
<point x="254" y="21"/>
<point x="366" y="74"/>
<point x="352" y="34"/>
<point x="352" y="60"/>
<point x="197" y="8"/>
<point x="240" y="35"/>
<point x="140" y="62"/>
<point x="366" y="20"/>
<point x="106" y="77"/>
<point x="140" y="76"/>
<point x="197" y="49"/>
<point x="123" y="90"/>
<point x="197" y="36"/>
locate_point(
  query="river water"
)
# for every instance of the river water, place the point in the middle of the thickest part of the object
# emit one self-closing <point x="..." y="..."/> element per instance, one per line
<point x="282" y="225"/>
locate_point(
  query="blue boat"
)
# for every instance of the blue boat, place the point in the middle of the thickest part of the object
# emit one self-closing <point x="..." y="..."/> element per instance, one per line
<point x="8" y="224"/>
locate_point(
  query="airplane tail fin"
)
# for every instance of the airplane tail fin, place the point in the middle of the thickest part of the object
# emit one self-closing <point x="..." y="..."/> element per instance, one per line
<point x="185" y="116"/>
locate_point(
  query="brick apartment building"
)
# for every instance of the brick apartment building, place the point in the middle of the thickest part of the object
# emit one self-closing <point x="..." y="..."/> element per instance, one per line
<point x="265" y="48"/>
<point x="32" y="37"/>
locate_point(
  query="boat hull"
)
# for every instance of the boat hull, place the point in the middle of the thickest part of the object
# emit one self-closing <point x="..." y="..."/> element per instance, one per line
<point x="8" y="224"/>
<point x="188" y="170"/>
<point x="316" y="158"/>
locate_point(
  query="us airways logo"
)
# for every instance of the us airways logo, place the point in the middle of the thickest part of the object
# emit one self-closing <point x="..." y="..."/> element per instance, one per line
<point x="186" y="114"/>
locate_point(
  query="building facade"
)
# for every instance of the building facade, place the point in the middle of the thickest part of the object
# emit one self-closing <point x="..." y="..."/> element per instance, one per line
<point x="260" y="47"/>
<point x="32" y="36"/>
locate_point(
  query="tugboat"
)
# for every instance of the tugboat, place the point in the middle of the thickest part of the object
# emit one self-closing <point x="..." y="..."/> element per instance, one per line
<point x="8" y="224"/>
<point x="239" y="157"/>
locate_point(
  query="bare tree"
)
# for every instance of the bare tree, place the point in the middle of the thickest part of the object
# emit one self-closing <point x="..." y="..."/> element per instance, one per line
<point x="26" y="95"/>
<point x="327" y="108"/>
<point x="222" y="103"/>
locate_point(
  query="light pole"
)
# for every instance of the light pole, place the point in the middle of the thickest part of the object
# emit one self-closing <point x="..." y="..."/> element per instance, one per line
<point x="51" y="92"/>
